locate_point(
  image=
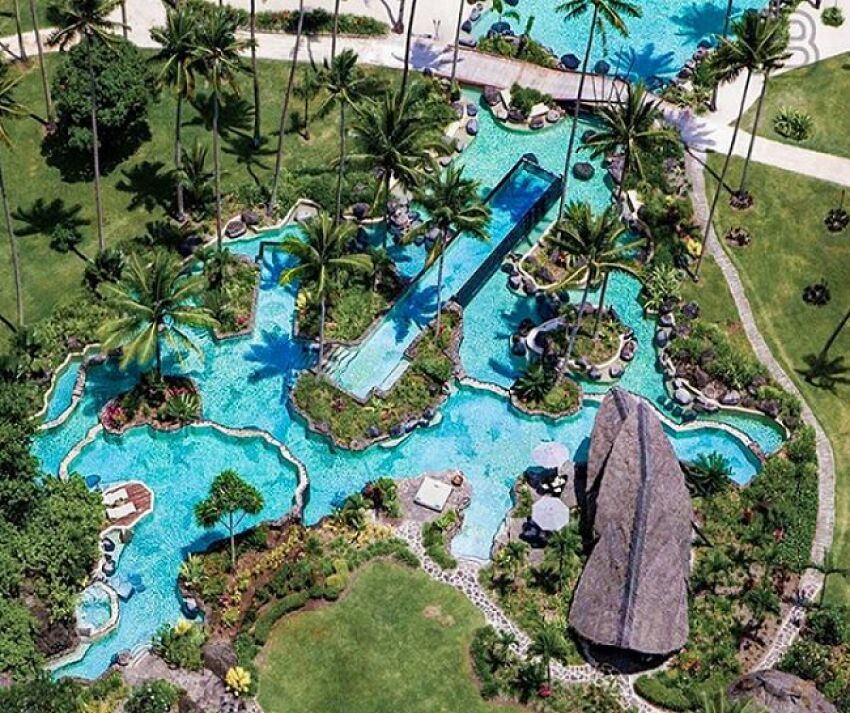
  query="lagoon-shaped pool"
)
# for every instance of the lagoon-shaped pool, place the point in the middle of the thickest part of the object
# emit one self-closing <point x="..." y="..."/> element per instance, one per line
<point x="245" y="384"/>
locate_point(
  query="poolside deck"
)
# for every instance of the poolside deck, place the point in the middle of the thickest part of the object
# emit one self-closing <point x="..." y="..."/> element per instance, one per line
<point x="141" y="497"/>
<point x="481" y="70"/>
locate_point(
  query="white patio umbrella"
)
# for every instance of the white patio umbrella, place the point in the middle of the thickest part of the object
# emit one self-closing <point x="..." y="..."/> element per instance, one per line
<point x="550" y="454"/>
<point x="550" y="514"/>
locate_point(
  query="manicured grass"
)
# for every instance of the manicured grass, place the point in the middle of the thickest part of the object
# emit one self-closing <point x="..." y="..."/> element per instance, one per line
<point x="397" y="641"/>
<point x="138" y="190"/>
<point x="822" y="90"/>
<point x="792" y="249"/>
<point x="7" y="18"/>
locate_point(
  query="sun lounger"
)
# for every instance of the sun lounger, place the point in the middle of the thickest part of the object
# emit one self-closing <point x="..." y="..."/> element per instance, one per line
<point x="113" y="497"/>
<point x="121" y="511"/>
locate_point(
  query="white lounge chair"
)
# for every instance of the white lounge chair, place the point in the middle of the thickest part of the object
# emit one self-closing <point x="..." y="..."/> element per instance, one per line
<point x="121" y="511"/>
<point x="113" y="497"/>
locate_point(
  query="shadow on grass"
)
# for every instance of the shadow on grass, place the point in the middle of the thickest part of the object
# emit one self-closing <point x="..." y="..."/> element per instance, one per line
<point x="150" y="185"/>
<point x="41" y="217"/>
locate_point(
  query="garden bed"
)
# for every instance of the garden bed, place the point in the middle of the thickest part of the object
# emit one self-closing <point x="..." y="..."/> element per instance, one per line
<point x="235" y="304"/>
<point x="355" y="424"/>
<point x="563" y="399"/>
<point x="166" y="403"/>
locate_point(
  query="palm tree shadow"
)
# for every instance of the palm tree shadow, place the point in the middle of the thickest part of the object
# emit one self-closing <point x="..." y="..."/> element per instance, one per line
<point x="646" y="62"/>
<point x="825" y="373"/>
<point x="277" y="355"/>
<point x="236" y="114"/>
<point x="241" y="147"/>
<point x="41" y="217"/>
<point x="703" y="21"/>
<point x="149" y="185"/>
<point x="716" y="176"/>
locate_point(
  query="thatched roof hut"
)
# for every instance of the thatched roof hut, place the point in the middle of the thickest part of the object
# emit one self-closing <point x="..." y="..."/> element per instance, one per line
<point x="633" y="592"/>
<point x="779" y="692"/>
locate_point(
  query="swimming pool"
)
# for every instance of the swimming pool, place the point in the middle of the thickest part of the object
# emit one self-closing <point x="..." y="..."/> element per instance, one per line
<point x="659" y="42"/>
<point x="245" y="384"/>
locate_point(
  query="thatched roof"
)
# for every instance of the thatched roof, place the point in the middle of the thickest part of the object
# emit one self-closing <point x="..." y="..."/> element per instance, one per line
<point x="633" y="591"/>
<point x="779" y="692"/>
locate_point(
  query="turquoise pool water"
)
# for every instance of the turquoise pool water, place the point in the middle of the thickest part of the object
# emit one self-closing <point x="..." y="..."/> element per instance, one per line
<point x="376" y="361"/>
<point x="245" y="384"/>
<point x="63" y="389"/>
<point x="659" y="42"/>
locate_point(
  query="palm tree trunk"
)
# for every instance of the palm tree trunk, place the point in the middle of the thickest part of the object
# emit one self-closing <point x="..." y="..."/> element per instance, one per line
<point x="124" y="26"/>
<point x="574" y="129"/>
<point x="573" y="330"/>
<point x="278" y="163"/>
<point x="440" y="287"/>
<point x="461" y="4"/>
<point x="178" y="159"/>
<point x="407" y="44"/>
<point x="722" y="178"/>
<point x="256" y="78"/>
<point x="231" y="529"/>
<point x="399" y="25"/>
<point x="45" y="83"/>
<point x="306" y="133"/>
<point x="19" y="30"/>
<point x="217" y="173"/>
<point x="322" y="316"/>
<point x="387" y="180"/>
<point x="341" y="173"/>
<point x="743" y="187"/>
<point x="601" y="305"/>
<point x="158" y="352"/>
<point x="101" y="239"/>
<point x="13" y="250"/>
<point x="335" y="29"/>
<point x="726" y="21"/>
<point x="834" y="335"/>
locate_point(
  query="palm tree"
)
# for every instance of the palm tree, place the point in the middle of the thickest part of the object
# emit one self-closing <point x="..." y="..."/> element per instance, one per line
<point x="740" y="53"/>
<point x="45" y="82"/>
<point x="16" y="6"/>
<point x="156" y="301"/>
<point x="460" y="6"/>
<point x="10" y="109"/>
<point x="817" y="364"/>
<point x="606" y="13"/>
<point x="535" y="383"/>
<point x="548" y="643"/>
<point x="454" y="208"/>
<point x="727" y="19"/>
<point x="125" y="28"/>
<point x="217" y="54"/>
<point x="89" y="20"/>
<point x="770" y="52"/>
<point x="594" y="240"/>
<point x="178" y="57"/>
<point x="255" y="75"/>
<point x="321" y="257"/>
<point x="344" y="84"/>
<point x="407" y="46"/>
<point x="563" y="543"/>
<point x="335" y="30"/>
<point x="632" y="126"/>
<point x="396" y="135"/>
<point x="278" y="164"/>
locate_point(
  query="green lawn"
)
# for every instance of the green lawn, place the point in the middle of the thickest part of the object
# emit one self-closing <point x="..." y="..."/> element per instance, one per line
<point x="398" y="641"/>
<point x="7" y="17"/>
<point x="792" y="249"/>
<point x="138" y="190"/>
<point x="823" y="91"/>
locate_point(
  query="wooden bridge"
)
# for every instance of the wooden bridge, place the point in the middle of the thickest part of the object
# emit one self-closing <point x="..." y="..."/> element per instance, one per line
<point x="482" y="70"/>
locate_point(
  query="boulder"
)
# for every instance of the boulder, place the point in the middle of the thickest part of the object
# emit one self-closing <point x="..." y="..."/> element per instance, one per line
<point x="583" y="171"/>
<point x="515" y="282"/>
<point x="628" y="351"/>
<point x="492" y="96"/>
<point x="570" y="61"/>
<point x="594" y="373"/>
<point x="731" y="398"/>
<point x="662" y="338"/>
<point x="250" y="217"/>
<point x="235" y="229"/>
<point x="472" y="109"/>
<point x="219" y="657"/>
<point x="469" y="42"/>
<point x="588" y="136"/>
<point x="188" y="705"/>
<point x="553" y="116"/>
<point x="360" y="210"/>
<point x="466" y="26"/>
<point x="537" y="123"/>
<point x="373" y="432"/>
<point x="472" y="127"/>
<point x="602" y="67"/>
<point x="190" y="608"/>
<point x="616" y="371"/>
<point x="700" y="378"/>
<point x="683" y="397"/>
<point x="667" y="320"/>
<point x="519" y="347"/>
<point x="458" y="109"/>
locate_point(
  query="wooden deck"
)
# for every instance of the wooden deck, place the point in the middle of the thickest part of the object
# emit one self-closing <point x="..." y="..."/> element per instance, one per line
<point x="481" y="70"/>
<point x="141" y="496"/>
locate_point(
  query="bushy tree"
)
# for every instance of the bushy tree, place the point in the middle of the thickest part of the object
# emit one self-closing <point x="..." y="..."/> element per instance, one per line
<point x="125" y="89"/>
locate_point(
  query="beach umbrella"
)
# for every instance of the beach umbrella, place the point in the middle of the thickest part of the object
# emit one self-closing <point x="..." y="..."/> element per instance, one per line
<point x="550" y="454"/>
<point x="550" y="514"/>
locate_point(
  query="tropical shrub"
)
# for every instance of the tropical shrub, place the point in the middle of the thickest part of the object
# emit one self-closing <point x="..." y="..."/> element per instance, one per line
<point x="126" y="87"/>
<point x="183" y="407"/>
<point x="526" y="98"/>
<point x="238" y="680"/>
<point x="152" y="697"/>
<point x="661" y="285"/>
<point x="793" y="124"/>
<point x="434" y="539"/>
<point x="535" y="383"/>
<point x="180" y="645"/>
<point x="833" y="16"/>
